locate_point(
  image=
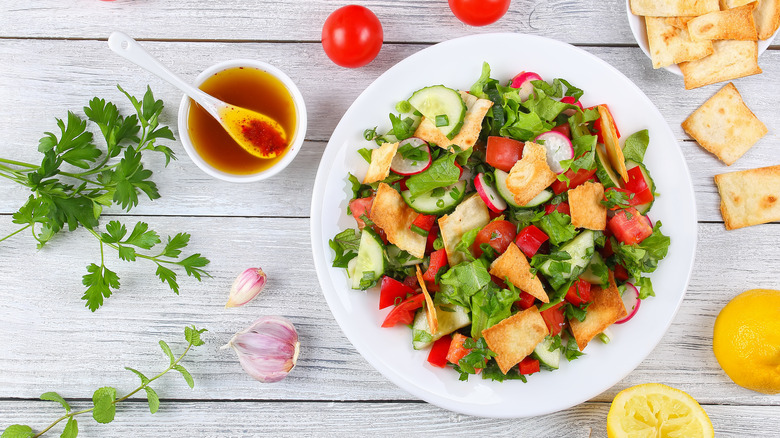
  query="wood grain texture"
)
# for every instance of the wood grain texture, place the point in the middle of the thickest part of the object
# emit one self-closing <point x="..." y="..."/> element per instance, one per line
<point x="293" y="20"/>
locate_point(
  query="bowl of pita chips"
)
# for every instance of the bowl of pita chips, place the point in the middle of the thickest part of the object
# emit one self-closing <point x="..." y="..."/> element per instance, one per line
<point x="705" y="41"/>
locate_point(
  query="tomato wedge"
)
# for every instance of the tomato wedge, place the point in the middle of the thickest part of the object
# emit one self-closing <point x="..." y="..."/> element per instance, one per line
<point x="562" y="208"/>
<point x="404" y="312"/>
<point x="423" y="224"/>
<point x="575" y="179"/>
<point x="438" y="261"/>
<point x="528" y="365"/>
<point x="497" y="234"/>
<point x="629" y="226"/>
<point x="438" y="354"/>
<point x="529" y="239"/>
<point x="554" y="318"/>
<point x="457" y="351"/>
<point x="392" y="292"/>
<point x="526" y="300"/>
<point x="579" y="293"/>
<point x="502" y="153"/>
<point x="360" y="207"/>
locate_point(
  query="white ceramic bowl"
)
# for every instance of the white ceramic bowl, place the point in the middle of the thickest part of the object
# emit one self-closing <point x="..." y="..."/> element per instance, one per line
<point x="639" y="30"/>
<point x="297" y="137"/>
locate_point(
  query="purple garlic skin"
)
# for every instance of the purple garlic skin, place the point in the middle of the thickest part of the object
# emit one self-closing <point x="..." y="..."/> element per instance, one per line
<point x="246" y="287"/>
<point x="267" y="349"/>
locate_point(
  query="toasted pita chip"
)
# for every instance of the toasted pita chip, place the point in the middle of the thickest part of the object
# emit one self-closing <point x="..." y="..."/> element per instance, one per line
<point x="728" y="4"/>
<point x="381" y="158"/>
<point x="430" y="315"/>
<point x="587" y="211"/>
<point x="469" y="132"/>
<point x="513" y="266"/>
<point x="605" y="308"/>
<point x="749" y="197"/>
<point x="673" y="8"/>
<point x="731" y="24"/>
<point x="679" y="22"/>
<point x="469" y="214"/>
<point x="612" y="142"/>
<point x="670" y="44"/>
<point x="724" y="125"/>
<point x="530" y="175"/>
<point x="729" y="60"/>
<point x="390" y="212"/>
<point x="515" y="337"/>
<point x="767" y="16"/>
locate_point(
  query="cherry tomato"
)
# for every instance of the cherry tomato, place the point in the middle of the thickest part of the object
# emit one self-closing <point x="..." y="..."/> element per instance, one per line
<point x="352" y="36"/>
<point x="479" y="12"/>
<point x="497" y="234"/>
<point x="502" y="153"/>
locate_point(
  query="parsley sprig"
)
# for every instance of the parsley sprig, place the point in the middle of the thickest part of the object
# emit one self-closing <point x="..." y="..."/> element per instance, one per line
<point x="104" y="399"/>
<point x="76" y="180"/>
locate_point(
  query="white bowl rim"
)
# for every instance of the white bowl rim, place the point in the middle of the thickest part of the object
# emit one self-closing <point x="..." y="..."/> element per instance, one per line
<point x="298" y="136"/>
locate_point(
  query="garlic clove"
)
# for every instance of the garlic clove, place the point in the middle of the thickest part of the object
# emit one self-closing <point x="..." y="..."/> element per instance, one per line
<point x="268" y="349"/>
<point x="246" y="287"/>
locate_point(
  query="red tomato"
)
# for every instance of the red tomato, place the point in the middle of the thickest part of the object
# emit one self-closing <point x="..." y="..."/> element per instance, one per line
<point x="456" y="351"/>
<point x="424" y="222"/>
<point x="607" y="250"/>
<point x="621" y="273"/>
<point x="637" y="184"/>
<point x="570" y="99"/>
<point x="438" y="261"/>
<point x="575" y="179"/>
<point x="529" y="239"/>
<point x="629" y="226"/>
<point x="404" y="312"/>
<point x="352" y="36"/>
<point x="526" y="300"/>
<point x="498" y="234"/>
<point x="392" y="292"/>
<point x="562" y="208"/>
<point x="438" y="355"/>
<point x="554" y="318"/>
<point x="502" y="153"/>
<point x="432" y="235"/>
<point x="597" y="126"/>
<point x="579" y="293"/>
<point x="528" y="365"/>
<point x="564" y="129"/>
<point x="479" y="12"/>
<point x="360" y="207"/>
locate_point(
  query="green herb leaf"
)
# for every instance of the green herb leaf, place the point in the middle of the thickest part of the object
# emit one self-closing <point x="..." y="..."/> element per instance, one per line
<point x="153" y="399"/>
<point x="442" y="173"/>
<point x="175" y="244"/>
<point x="186" y="374"/>
<point x="53" y="396"/>
<point x="167" y="350"/>
<point x="144" y="379"/>
<point x="192" y="335"/>
<point x="366" y="153"/>
<point x="99" y="281"/>
<point x="345" y="244"/>
<point x="18" y="431"/>
<point x="71" y="429"/>
<point x="462" y="281"/>
<point x="167" y="276"/>
<point x="635" y="146"/>
<point x="145" y="239"/>
<point x="557" y="226"/>
<point x="103" y="401"/>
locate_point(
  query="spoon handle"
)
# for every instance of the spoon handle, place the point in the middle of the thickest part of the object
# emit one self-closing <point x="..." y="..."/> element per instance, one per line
<point x="128" y="48"/>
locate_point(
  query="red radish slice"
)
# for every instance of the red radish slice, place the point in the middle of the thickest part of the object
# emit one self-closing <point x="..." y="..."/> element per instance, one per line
<point x="570" y="99"/>
<point x="488" y="194"/>
<point x="523" y="82"/>
<point x="649" y="221"/>
<point x="406" y="166"/>
<point x="631" y="301"/>
<point x="558" y="147"/>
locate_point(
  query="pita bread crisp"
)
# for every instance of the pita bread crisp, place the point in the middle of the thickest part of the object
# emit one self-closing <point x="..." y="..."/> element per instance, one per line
<point x="605" y="308"/>
<point x="670" y="44"/>
<point x="724" y="125"/>
<point x="673" y="8"/>
<point x="515" y="337"/>
<point x="749" y="197"/>
<point x="731" y="24"/>
<point x="390" y="213"/>
<point x="469" y="214"/>
<point x="513" y="265"/>
<point x="430" y="315"/>
<point x="587" y="211"/>
<point x="476" y="109"/>
<point x="728" y="4"/>
<point x="530" y="175"/>
<point x="767" y="16"/>
<point x="381" y="158"/>
<point x="679" y="22"/>
<point x="729" y="60"/>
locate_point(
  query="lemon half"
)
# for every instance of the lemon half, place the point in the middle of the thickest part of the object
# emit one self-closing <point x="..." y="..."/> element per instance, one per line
<point x="655" y="410"/>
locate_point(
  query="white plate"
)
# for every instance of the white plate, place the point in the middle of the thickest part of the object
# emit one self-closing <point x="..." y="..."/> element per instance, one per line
<point x="457" y="63"/>
<point x="639" y="30"/>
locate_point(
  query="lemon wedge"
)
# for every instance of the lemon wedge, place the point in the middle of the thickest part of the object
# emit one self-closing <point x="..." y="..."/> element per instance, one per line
<point x="655" y="410"/>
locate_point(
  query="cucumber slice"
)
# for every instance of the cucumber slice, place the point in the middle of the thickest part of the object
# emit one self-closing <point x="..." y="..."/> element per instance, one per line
<point x="437" y="201"/>
<point x="451" y="317"/>
<point x="581" y="250"/>
<point x="596" y="265"/>
<point x="394" y="253"/>
<point x="604" y="171"/>
<point x="370" y="258"/>
<point x="642" y="208"/>
<point x="542" y="353"/>
<point x="437" y="101"/>
<point x="503" y="191"/>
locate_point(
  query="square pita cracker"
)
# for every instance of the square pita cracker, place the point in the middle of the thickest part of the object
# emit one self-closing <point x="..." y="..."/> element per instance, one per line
<point x="749" y="197"/>
<point x="729" y="60"/>
<point x="673" y="8"/>
<point x="605" y="308"/>
<point x="587" y="211"/>
<point x="515" y="337"/>
<point x="731" y="24"/>
<point x="476" y="109"/>
<point x="381" y="158"/>
<point x="530" y="175"/>
<point x="669" y="43"/>
<point x="390" y="213"/>
<point x="728" y="4"/>
<point x="513" y="265"/>
<point x="767" y="16"/>
<point x="469" y="214"/>
<point x="679" y="22"/>
<point x="724" y="125"/>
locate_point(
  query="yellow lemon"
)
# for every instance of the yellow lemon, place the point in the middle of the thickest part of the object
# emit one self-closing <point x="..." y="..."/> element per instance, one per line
<point x="746" y="340"/>
<point x="655" y="410"/>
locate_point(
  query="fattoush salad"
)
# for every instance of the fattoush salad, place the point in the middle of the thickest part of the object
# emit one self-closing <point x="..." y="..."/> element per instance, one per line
<point x="505" y="225"/>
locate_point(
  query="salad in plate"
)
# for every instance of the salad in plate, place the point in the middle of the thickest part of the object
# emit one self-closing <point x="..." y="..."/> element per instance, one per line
<point x="505" y="225"/>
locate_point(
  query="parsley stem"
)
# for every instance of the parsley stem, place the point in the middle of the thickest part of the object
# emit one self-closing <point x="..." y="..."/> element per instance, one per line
<point x="18" y="163"/>
<point x="68" y="415"/>
<point x="16" y="232"/>
<point x="155" y="259"/>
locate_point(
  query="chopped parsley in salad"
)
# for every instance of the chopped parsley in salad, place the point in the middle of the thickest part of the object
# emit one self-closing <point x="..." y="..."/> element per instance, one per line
<point x="505" y="225"/>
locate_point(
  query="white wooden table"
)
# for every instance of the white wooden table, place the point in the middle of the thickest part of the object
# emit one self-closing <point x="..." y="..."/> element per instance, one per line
<point x="54" y="58"/>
